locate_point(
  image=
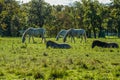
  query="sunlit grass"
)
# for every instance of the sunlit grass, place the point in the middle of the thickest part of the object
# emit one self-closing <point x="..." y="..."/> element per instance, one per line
<point x="33" y="61"/>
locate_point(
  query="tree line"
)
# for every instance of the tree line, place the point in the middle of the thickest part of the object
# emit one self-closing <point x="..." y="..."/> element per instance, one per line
<point x="94" y="17"/>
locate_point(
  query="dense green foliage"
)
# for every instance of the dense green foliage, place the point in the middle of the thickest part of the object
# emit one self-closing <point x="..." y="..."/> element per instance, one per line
<point x="94" y="17"/>
<point x="31" y="61"/>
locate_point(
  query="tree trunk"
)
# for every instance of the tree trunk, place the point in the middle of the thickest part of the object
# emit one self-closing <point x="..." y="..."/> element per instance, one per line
<point x="89" y="33"/>
<point x="101" y="33"/>
<point x="119" y="32"/>
<point x="94" y="32"/>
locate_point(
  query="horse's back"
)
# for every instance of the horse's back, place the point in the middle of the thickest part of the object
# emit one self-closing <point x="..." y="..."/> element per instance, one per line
<point x="66" y="46"/>
<point x="78" y="31"/>
<point x="114" y="45"/>
<point x="56" y="45"/>
<point x="37" y="31"/>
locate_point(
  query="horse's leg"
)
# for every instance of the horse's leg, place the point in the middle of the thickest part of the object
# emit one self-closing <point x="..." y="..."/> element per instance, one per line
<point x="43" y="39"/>
<point x="33" y="39"/>
<point x="29" y="38"/>
<point x="85" y="37"/>
<point x="81" y="38"/>
<point x="73" y="38"/>
<point x="70" y="36"/>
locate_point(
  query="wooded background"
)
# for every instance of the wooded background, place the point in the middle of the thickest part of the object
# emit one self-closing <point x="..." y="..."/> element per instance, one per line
<point x="96" y="18"/>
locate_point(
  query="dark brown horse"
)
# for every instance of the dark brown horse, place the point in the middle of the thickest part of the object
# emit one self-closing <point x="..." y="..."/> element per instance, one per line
<point x="56" y="45"/>
<point x="104" y="44"/>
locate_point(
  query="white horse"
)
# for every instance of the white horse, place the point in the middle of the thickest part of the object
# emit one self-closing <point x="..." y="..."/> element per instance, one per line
<point x="75" y="32"/>
<point x="33" y="32"/>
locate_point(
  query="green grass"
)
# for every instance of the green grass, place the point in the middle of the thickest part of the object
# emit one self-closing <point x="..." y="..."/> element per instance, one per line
<point x="31" y="61"/>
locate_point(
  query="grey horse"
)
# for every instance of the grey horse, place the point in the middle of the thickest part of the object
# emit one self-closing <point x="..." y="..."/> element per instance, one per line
<point x="33" y="32"/>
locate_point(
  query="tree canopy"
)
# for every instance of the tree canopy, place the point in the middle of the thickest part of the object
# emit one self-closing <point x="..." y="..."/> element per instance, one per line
<point x="94" y="17"/>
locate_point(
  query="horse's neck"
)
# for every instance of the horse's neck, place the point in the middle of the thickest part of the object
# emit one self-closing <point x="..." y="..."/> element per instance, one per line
<point x="60" y="33"/>
<point x="27" y="32"/>
<point x="67" y="33"/>
<point x="63" y="33"/>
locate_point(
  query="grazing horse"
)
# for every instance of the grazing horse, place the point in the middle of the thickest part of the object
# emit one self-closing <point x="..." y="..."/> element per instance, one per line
<point x="75" y="32"/>
<point x="104" y="44"/>
<point x="33" y="32"/>
<point x="61" y="33"/>
<point x="56" y="45"/>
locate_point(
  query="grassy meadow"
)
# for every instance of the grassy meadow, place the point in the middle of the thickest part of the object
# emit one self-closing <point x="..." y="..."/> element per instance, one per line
<point x="32" y="61"/>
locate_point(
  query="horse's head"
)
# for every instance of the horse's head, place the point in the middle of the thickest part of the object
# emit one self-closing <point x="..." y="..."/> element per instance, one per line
<point x="93" y="44"/>
<point x="64" y="40"/>
<point x="56" y="38"/>
<point x="47" y="44"/>
<point x="23" y="39"/>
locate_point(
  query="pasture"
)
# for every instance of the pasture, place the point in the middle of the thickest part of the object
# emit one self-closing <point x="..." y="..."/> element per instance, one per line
<point x="31" y="61"/>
